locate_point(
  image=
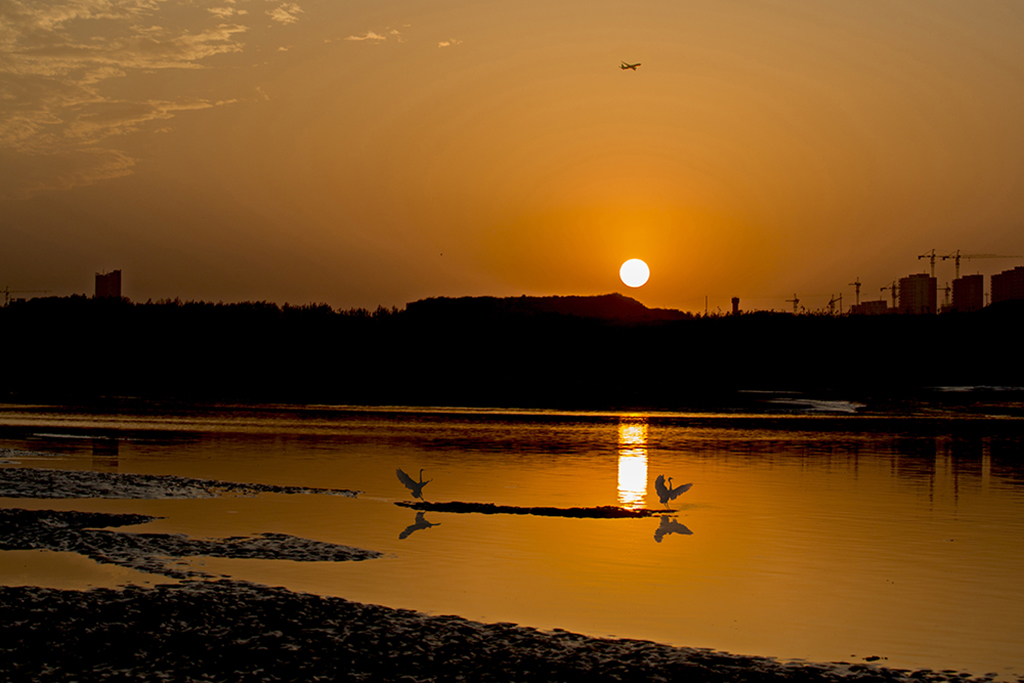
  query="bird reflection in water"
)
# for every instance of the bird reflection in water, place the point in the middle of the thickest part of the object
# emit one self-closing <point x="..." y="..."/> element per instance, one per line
<point x="668" y="526"/>
<point x="420" y="523"/>
<point x="632" y="461"/>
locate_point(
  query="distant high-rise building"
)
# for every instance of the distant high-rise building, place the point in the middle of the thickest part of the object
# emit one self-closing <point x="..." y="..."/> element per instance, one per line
<point x="108" y="285"/>
<point x="969" y="293"/>
<point x="1008" y="285"/>
<point x="918" y="294"/>
<point x="880" y="307"/>
<point x="735" y="305"/>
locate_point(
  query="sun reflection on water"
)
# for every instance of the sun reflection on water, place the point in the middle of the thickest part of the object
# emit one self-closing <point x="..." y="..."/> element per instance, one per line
<point x="632" y="461"/>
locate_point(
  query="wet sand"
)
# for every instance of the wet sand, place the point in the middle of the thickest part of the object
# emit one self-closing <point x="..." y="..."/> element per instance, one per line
<point x="236" y="631"/>
<point x="226" y="630"/>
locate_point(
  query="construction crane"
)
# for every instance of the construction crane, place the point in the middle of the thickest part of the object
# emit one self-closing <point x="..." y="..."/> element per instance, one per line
<point x="856" y="288"/>
<point x="832" y="304"/>
<point x="930" y="257"/>
<point x="893" y="288"/>
<point x="793" y="301"/>
<point x="947" y="289"/>
<point x="956" y="256"/>
<point x="8" y="291"/>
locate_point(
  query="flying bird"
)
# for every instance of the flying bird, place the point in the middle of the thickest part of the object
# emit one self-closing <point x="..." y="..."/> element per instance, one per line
<point x="667" y="493"/>
<point x="626" y="65"/>
<point x="415" y="486"/>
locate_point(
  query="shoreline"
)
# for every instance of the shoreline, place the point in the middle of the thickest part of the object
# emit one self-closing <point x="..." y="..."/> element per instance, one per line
<point x="235" y="630"/>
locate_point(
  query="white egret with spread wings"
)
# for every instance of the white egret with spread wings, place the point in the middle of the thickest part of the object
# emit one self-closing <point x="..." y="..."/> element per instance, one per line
<point x="415" y="486"/>
<point x="667" y="493"/>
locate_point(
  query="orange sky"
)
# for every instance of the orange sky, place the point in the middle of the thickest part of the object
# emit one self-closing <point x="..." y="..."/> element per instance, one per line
<point x="362" y="153"/>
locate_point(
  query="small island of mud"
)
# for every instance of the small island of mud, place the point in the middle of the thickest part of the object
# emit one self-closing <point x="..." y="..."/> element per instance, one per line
<point x="600" y="512"/>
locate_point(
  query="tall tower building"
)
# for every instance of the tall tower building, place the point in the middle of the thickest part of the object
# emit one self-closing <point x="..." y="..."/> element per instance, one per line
<point x="108" y="285"/>
<point x="918" y="294"/>
<point x="1008" y="285"/>
<point x="969" y="293"/>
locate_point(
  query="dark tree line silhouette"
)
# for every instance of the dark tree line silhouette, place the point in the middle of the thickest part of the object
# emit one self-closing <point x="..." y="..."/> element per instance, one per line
<point x="547" y="351"/>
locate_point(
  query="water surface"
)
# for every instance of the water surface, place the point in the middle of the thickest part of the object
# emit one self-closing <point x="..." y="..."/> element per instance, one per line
<point x="823" y="538"/>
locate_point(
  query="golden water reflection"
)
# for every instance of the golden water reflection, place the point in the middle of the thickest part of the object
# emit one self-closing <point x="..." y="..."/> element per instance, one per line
<point x="847" y="542"/>
<point x="632" y="461"/>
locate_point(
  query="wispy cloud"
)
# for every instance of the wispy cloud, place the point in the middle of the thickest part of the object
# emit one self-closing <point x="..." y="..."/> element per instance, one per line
<point x="286" y="13"/>
<point x="58" y="59"/>
<point x="227" y="11"/>
<point x="387" y="34"/>
<point x="22" y="177"/>
<point x="109" y="118"/>
<point x="370" y="35"/>
<point x="56" y="83"/>
<point x="449" y="42"/>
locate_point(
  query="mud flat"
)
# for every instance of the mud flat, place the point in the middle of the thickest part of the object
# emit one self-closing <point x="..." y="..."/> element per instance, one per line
<point x="236" y="631"/>
<point x="77" y="532"/>
<point x="26" y="482"/>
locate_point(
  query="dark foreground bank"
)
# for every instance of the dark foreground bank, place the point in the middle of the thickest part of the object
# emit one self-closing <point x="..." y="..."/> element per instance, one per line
<point x="236" y="631"/>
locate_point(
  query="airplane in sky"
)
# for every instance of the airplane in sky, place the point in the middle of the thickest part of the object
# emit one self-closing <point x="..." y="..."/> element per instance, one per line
<point x="629" y="66"/>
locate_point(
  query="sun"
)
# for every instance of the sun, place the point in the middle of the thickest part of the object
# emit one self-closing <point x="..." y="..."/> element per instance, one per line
<point x="634" y="273"/>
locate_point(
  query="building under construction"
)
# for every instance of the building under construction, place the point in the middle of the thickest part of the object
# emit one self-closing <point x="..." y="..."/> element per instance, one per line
<point x="918" y="294"/>
<point x="969" y="293"/>
<point x="108" y="285"/>
<point x="1008" y="285"/>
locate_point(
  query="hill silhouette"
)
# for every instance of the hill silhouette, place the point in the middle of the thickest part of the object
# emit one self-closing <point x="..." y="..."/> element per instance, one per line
<point x="608" y="307"/>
